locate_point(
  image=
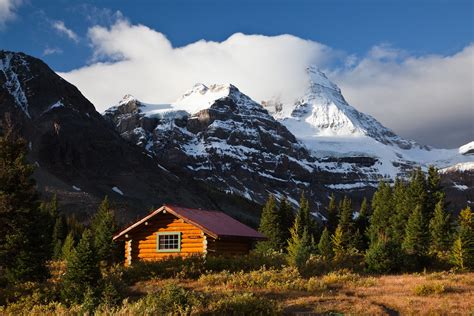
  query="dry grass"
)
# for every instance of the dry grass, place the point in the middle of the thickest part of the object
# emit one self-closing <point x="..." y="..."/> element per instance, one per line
<point x="413" y="294"/>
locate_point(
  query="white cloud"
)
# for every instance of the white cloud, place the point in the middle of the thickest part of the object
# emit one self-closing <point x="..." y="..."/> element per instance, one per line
<point x="412" y="95"/>
<point x="146" y="65"/>
<point x="62" y="29"/>
<point x="428" y="98"/>
<point x="52" y="50"/>
<point x="7" y="10"/>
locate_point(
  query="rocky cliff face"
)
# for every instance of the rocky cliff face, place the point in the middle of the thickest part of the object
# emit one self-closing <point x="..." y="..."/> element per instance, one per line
<point x="232" y="144"/>
<point x="79" y="155"/>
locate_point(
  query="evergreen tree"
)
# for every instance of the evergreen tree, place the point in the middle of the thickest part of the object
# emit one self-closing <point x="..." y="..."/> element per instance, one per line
<point x="383" y="256"/>
<point x="82" y="273"/>
<point x="270" y="226"/>
<point x="325" y="245"/>
<point x="362" y="224"/>
<point x="287" y="218"/>
<point x="303" y="216"/>
<point x="346" y="224"/>
<point x="417" y="195"/>
<point x="440" y="230"/>
<point x="434" y="188"/>
<point x="466" y="236"/>
<point x="332" y="214"/>
<point x="299" y="247"/>
<point x="24" y="246"/>
<point x="103" y="228"/>
<point x="59" y="235"/>
<point x="67" y="248"/>
<point x="382" y="208"/>
<point x="459" y="255"/>
<point x="416" y="238"/>
<point x="337" y="242"/>
<point x="400" y="213"/>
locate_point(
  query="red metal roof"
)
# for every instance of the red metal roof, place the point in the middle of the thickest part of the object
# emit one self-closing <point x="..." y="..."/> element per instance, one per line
<point x="214" y="223"/>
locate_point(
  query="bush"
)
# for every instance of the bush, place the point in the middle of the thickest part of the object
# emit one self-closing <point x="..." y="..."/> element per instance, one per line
<point x="193" y="267"/>
<point x="429" y="289"/>
<point x="243" y="304"/>
<point x="287" y="278"/>
<point x="383" y="257"/>
<point x="171" y="300"/>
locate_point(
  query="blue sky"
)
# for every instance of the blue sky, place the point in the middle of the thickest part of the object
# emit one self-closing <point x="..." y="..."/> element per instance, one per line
<point x="407" y="63"/>
<point x="421" y="27"/>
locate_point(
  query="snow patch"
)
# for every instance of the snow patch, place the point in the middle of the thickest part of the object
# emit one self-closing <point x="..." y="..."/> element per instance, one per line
<point x="117" y="190"/>
<point x="463" y="150"/>
<point x="76" y="188"/>
<point x="12" y="82"/>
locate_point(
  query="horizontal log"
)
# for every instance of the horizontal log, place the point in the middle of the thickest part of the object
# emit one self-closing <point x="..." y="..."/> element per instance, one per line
<point x="183" y="246"/>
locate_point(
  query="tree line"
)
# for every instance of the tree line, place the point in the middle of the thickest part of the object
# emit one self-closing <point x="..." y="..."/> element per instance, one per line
<point x="405" y="227"/>
<point x="33" y="232"/>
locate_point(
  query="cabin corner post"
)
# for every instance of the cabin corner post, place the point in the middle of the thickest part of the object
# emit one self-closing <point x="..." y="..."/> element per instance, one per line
<point x="204" y="244"/>
<point x="129" y="252"/>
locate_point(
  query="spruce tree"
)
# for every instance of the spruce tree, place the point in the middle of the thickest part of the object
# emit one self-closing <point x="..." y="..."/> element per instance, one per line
<point x="332" y="214"/>
<point x="465" y="236"/>
<point x="103" y="228"/>
<point x="82" y="272"/>
<point x="459" y="255"/>
<point x="325" y="245"/>
<point x="337" y="242"/>
<point x="382" y="210"/>
<point x="400" y="213"/>
<point x="346" y="224"/>
<point x="299" y="247"/>
<point x="287" y="218"/>
<point x="24" y="246"/>
<point x="67" y="247"/>
<point x="416" y="238"/>
<point x="434" y="188"/>
<point x="270" y="226"/>
<point x="362" y="224"/>
<point x="440" y="230"/>
<point x="59" y="235"/>
<point x="417" y="194"/>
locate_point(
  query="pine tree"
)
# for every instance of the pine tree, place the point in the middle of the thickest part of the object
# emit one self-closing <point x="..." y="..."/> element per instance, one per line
<point x="337" y="242"/>
<point x="459" y="254"/>
<point x="325" y="245"/>
<point x="417" y="194"/>
<point x="24" y="246"/>
<point x="67" y="247"/>
<point x="434" y="188"/>
<point x="465" y="236"/>
<point x="303" y="216"/>
<point x="332" y="214"/>
<point x="400" y="213"/>
<point x="270" y="226"/>
<point x="82" y="271"/>
<point x="416" y="238"/>
<point x="346" y="224"/>
<point x="440" y="230"/>
<point x="362" y="225"/>
<point x="59" y="235"/>
<point x="103" y="228"/>
<point x="299" y="247"/>
<point x="382" y="210"/>
<point x="287" y="218"/>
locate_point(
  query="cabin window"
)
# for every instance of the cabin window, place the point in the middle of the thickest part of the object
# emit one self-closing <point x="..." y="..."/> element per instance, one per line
<point x="168" y="242"/>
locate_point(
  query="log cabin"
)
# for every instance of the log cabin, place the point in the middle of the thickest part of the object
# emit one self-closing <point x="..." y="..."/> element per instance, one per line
<point x="178" y="231"/>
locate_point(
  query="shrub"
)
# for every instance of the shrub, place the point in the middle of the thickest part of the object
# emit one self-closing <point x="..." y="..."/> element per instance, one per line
<point x="429" y="289"/>
<point x="171" y="300"/>
<point x="243" y="304"/>
<point x="382" y="257"/>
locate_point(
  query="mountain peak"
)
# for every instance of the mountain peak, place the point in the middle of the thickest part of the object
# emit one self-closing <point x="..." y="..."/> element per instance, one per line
<point x="319" y="78"/>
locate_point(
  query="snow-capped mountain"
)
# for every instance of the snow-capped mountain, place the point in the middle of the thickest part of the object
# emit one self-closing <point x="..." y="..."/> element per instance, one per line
<point x="330" y="127"/>
<point x="80" y="157"/>
<point x="318" y="144"/>
<point x="220" y="136"/>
